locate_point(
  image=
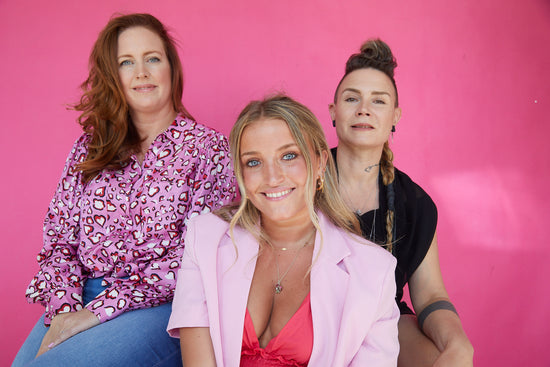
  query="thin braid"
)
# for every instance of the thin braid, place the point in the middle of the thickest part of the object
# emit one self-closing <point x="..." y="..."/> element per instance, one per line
<point x="388" y="175"/>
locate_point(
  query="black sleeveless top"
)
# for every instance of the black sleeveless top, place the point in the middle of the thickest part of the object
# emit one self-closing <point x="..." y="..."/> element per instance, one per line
<point x="415" y="222"/>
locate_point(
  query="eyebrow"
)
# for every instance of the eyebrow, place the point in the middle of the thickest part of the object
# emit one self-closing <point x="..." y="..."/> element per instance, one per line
<point x="353" y="90"/>
<point x="145" y="54"/>
<point x="380" y="93"/>
<point x="284" y="147"/>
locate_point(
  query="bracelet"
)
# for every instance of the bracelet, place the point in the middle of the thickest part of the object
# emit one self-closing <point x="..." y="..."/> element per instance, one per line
<point x="437" y="305"/>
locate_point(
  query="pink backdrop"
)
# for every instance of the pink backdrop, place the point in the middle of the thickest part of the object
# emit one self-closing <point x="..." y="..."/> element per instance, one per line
<point x="473" y="78"/>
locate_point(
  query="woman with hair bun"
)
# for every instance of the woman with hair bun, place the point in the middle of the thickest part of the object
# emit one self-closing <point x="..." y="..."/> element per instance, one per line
<point x="113" y="234"/>
<point x="393" y="210"/>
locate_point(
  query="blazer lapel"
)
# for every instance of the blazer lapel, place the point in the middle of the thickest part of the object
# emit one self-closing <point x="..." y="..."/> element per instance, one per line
<point x="234" y="280"/>
<point x="329" y="287"/>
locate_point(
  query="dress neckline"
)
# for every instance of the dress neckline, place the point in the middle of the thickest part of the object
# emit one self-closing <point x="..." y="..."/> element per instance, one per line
<point x="271" y="343"/>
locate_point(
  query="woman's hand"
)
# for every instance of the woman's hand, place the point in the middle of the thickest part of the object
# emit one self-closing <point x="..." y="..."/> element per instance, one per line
<point x="65" y="325"/>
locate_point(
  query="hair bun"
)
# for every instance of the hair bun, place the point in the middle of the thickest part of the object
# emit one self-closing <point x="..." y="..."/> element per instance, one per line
<point x="379" y="50"/>
<point x="374" y="53"/>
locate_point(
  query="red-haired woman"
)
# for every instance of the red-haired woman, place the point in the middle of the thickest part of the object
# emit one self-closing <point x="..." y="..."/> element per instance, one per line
<point x="113" y="234"/>
<point x="393" y="210"/>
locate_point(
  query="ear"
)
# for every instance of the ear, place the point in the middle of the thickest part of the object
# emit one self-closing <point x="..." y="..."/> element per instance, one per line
<point x="396" y="115"/>
<point x="331" y="110"/>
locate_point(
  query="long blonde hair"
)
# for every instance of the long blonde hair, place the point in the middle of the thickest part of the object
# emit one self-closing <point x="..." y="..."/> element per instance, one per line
<point x="308" y="134"/>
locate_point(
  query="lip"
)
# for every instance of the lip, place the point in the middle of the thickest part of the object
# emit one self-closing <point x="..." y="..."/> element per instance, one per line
<point x="144" y="88"/>
<point x="363" y="126"/>
<point x="278" y="195"/>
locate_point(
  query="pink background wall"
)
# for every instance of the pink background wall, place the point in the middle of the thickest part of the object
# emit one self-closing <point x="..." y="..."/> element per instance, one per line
<point x="473" y="78"/>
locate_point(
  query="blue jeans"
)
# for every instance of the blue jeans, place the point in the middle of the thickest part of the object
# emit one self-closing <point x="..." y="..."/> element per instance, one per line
<point x="135" y="338"/>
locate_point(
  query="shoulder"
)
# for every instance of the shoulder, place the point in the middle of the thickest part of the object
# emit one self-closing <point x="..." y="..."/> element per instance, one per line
<point x="366" y="252"/>
<point x="410" y="187"/>
<point x="79" y="150"/>
<point x="199" y="135"/>
<point x="412" y="194"/>
<point x="208" y="222"/>
<point x="81" y="143"/>
<point x="204" y="234"/>
<point x="357" y="251"/>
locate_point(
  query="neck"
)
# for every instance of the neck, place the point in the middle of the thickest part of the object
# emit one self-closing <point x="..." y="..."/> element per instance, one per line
<point x="288" y="235"/>
<point x="358" y="165"/>
<point x="358" y="184"/>
<point x="150" y="125"/>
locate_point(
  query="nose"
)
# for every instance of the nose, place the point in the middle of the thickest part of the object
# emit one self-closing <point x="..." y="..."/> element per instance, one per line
<point x="141" y="71"/>
<point x="363" y="109"/>
<point x="274" y="174"/>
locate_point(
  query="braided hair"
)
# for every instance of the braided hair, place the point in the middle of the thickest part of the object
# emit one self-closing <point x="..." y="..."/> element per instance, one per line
<point x="376" y="54"/>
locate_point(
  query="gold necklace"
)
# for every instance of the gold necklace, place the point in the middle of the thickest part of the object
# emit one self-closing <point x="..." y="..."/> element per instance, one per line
<point x="278" y="285"/>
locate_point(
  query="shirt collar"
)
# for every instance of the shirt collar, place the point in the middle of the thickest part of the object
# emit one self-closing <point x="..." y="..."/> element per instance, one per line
<point x="178" y="127"/>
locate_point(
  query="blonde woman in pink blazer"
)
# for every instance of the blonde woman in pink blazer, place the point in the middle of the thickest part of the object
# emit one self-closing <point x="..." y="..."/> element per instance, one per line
<point x="283" y="277"/>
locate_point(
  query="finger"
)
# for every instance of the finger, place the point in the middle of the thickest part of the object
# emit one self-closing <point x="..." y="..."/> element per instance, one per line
<point x="49" y="340"/>
<point x="44" y="349"/>
<point x="40" y="352"/>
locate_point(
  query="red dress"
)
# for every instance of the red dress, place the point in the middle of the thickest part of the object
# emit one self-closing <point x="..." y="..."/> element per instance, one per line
<point x="291" y="347"/>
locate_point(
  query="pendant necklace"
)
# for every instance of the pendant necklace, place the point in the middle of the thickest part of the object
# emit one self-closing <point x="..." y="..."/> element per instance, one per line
<point x="278" y="285"/>
<point x="344" y="190"/>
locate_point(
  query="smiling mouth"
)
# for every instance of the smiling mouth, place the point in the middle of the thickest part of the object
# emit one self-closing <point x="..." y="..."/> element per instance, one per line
<point x="144" y="88"/>
<point x="362" y="126"/>
<point x="275" y="195"/>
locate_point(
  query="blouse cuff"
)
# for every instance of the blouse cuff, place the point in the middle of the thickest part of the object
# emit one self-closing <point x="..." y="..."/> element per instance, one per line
<point x="62" y="301"/>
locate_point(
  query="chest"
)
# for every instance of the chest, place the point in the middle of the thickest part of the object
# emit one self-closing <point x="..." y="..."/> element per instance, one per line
<point x="149" y="197"/>
<point x="279" y="285"/>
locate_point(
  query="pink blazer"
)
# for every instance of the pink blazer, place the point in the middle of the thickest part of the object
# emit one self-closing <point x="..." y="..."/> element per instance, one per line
<point x="352" y="294"/>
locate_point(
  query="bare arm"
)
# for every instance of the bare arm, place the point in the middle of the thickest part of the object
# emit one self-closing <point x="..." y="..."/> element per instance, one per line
<point x="443" y="327"/>
<point x="196" y="347"/>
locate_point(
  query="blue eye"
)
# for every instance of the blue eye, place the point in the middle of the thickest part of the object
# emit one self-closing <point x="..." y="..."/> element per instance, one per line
<point x="126" y="62"/>
<point x="153" y="59"/>
<point x="252" y="163"/>
<point x="289" y="156"/>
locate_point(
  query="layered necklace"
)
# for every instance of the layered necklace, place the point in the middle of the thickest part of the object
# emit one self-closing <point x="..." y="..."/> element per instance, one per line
<point x="361" y="208"/>
<point x="278" y="285"/>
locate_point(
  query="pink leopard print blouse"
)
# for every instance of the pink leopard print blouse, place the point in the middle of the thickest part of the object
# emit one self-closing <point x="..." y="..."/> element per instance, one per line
<point x="128" y="225"/>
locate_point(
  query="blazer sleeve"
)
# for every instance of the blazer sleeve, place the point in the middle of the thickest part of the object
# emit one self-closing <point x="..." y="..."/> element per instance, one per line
<point x="380" y="347"/>
<point x="189" y="307"/>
